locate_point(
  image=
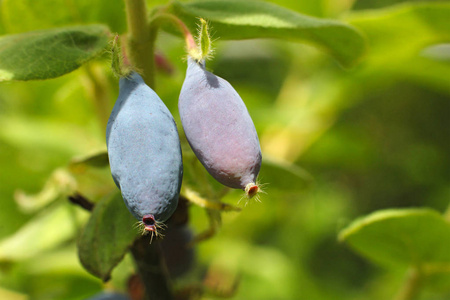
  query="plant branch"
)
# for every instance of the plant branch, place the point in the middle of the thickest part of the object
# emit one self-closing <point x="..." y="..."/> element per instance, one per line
<point x="412" y="285"/>
<point x="81" y="201"/>
<point x="141" y="40"/>
<point x="152" y="269"/>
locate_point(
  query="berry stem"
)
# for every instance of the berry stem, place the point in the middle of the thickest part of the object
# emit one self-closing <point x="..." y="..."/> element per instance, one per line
<point x="141" y="40"/>
<point x="191" y="45"/>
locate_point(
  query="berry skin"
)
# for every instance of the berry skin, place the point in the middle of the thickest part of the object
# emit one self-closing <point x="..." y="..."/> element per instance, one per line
<point x="219" y="128"/>
<point x="144" y="152"/>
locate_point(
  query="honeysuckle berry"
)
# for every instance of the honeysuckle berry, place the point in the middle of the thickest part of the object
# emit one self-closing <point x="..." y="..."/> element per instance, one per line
<point x="144" y="152"/>
<point x="219" y="128"/>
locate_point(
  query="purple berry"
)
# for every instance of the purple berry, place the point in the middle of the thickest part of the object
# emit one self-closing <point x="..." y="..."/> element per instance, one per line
<point x="219" y="128"/>
<point x="144" y="152"/>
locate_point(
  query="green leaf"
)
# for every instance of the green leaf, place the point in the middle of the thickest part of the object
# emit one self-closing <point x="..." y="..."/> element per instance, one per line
<point x="401" y="237"/>
<point x="396" y="33"/>
<point x="235" y="19"/>
<point x="45" y="231"/>
<point x="283" y="175"/>
<point x="49" y="53"/>
<point x="107" y="236"/>
<point x="26" y="15"/>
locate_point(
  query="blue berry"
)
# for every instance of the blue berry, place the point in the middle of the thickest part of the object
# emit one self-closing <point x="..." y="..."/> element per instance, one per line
<point x="144" y="152"/>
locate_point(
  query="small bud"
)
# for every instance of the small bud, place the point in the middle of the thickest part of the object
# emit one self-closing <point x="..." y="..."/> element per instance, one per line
<point x="117" y="60"/>
<point x="204" y="39"/>
<point x="203" y="50"/>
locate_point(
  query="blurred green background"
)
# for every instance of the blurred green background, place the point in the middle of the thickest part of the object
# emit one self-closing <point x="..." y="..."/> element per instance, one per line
<point x="337" y="144"/>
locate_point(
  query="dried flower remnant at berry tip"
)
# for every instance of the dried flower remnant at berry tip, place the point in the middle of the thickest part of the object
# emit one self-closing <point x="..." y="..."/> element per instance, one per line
<point x="251" y="189"/>
<point x="149" y="223"/>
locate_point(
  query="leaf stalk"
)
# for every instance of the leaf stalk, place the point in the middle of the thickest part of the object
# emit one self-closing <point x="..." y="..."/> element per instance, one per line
<point x="412" y="285"/>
